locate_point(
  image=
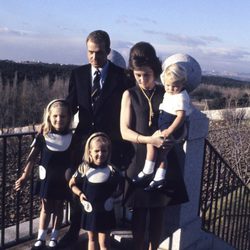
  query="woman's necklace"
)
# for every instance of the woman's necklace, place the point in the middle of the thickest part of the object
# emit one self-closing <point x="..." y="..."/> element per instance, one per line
<point x="151" y="112"/>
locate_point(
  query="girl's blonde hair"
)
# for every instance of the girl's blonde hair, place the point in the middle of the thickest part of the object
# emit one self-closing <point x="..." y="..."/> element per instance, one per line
<point x="174" y="73"/>
<point x="96" y="137"/>
<point x="56" y="103"/>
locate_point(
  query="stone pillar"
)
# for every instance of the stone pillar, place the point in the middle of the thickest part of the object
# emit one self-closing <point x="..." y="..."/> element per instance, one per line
<point x="183" y="225"/>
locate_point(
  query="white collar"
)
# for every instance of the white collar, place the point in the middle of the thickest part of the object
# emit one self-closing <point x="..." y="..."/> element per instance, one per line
<point x="102" y="70"/>
<point x="58" y="142"/>
<point x="98" y="175"/>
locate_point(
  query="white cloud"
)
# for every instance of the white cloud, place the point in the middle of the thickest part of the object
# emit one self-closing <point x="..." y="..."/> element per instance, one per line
<point x="6" y="31"/>
<point x="53" y="49"/>
<point x="136" y="21"/>
<point x="184" y="39"/>
<point x="219" y="58"/>
<point x="21" y="45"/>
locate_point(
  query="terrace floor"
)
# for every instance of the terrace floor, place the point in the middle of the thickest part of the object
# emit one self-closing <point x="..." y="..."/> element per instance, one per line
<point x="120" y="240"/>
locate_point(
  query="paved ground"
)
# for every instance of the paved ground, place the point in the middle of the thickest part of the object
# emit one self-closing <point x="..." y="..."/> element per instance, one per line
<point x="122" y="241"/>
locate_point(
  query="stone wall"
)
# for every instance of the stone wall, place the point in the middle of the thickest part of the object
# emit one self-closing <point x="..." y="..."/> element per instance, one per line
<point x="183" y="224"/>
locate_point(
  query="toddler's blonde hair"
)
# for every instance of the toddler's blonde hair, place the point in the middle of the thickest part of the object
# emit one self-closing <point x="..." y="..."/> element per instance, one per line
<point x="174" y="73"/>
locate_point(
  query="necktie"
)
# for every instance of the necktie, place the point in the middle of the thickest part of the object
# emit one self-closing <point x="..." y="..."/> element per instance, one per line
<point x="96" y="88"/>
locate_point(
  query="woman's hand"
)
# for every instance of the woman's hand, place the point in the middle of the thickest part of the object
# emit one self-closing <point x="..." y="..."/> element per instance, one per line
<point x="156" y="139"/>
<point x="157" y="133"/>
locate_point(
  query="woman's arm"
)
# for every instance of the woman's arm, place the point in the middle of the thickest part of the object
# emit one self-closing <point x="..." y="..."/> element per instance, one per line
<point x="125" y="125"/>
<point x="30" y="162"/>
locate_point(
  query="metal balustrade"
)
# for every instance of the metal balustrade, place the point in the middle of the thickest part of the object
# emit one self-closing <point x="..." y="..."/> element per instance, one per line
<point x="18" y="210"/>
<point x="224" y="201"/>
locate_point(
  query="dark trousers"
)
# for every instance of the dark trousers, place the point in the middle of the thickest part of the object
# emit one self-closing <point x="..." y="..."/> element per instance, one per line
<point x="75" y="215"/>
<point x="77" y="150"/>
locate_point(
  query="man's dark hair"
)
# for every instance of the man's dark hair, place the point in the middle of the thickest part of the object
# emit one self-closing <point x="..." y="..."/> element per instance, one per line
<point x="100" y="36"/>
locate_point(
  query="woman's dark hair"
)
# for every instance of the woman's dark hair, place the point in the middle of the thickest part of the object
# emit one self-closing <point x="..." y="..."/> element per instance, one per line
<point x="143" y="54"/>
<point x="100" y="36"/>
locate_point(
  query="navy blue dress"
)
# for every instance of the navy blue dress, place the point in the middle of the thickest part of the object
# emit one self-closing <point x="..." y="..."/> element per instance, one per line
<point x="55" y="160"/>
<point x="101" y="218"/>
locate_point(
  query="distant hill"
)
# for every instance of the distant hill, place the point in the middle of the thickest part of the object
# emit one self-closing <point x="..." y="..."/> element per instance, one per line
<point x="224" y="81"/>
<point x="32" y="71"/>
<point x="27" y="87"/>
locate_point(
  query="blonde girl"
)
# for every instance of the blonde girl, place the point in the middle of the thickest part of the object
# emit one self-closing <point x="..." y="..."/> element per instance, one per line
<point x="96" y="182"/>
<point x="53" y="143"/>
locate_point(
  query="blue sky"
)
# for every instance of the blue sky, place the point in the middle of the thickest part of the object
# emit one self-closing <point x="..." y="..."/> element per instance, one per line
<point x="215" y="33"/>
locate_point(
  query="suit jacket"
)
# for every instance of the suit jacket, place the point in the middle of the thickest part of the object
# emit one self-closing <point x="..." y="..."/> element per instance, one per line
<point x="106" y="115"/>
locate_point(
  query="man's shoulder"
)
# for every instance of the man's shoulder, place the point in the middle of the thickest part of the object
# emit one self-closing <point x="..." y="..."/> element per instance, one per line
<point x="82" y="68"/>
<point x="114" y="68"/>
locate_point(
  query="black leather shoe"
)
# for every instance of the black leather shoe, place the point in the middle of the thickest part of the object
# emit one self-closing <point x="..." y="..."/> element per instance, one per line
<point x="68" y="239"/>
<point x="155" y="185"/>
<point x="41" y="246"/>
<point x="143" y="181"/>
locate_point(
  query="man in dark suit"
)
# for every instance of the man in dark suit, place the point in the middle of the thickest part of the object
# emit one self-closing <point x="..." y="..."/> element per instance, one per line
<point x="95" y="90"/>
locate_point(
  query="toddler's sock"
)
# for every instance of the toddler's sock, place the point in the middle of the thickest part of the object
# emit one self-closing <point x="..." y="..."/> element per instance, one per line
<point x="160" y="174"/>
<point x="148" y="168"/>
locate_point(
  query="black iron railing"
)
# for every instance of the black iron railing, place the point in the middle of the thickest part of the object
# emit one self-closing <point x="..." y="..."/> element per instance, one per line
<point x="224" y="202"/>
<point x="18" y="210"/>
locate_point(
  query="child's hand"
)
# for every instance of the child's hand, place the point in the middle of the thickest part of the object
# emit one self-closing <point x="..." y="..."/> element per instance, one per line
<point x="82" y="197"/>
<point x="19" y="183"/>
<point x="87" y="205"/>
<point x="165" y="133"/>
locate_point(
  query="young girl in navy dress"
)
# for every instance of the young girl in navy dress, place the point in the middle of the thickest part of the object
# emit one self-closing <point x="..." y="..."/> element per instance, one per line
<point x="54" y="145"/>
<point x="96" y="184"/>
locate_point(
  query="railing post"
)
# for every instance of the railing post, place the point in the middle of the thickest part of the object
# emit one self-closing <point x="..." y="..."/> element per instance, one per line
<point x="183" y="219"/>
<point x="183" y="222"/>
<point x="14" y="231"/>
<point x="3" y="192"/>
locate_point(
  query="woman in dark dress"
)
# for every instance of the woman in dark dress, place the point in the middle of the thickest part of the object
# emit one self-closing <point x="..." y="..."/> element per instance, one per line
<point x="139" y="115"/>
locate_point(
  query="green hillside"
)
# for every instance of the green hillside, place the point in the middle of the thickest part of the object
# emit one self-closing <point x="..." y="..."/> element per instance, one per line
<point x="26" y="88"/>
